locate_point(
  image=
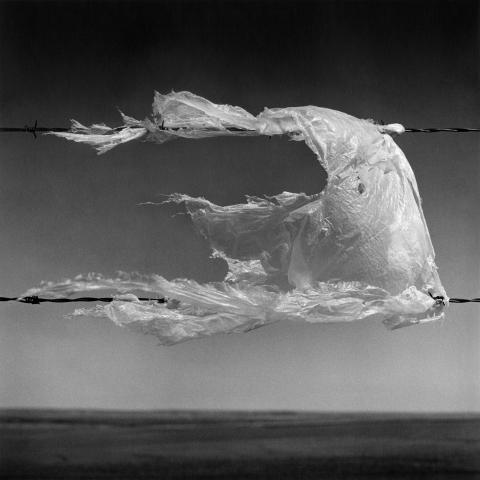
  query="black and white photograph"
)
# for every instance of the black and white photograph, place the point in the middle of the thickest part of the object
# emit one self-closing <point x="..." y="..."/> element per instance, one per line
<point x="239" y="239"/>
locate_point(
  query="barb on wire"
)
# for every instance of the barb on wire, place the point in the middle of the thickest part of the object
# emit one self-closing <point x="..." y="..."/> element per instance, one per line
<point x="34" y="129"/>
<point x="440" y="299"/>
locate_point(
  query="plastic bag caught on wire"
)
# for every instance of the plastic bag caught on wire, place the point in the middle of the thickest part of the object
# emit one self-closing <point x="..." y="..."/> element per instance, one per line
<point x="359" y="249"/>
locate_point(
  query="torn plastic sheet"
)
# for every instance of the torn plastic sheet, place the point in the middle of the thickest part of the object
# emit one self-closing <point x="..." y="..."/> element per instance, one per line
<point x="175" y="115"/>
<point x="359" y="249"/>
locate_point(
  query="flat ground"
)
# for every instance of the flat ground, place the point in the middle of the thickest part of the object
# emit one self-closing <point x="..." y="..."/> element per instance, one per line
<point x="70" y="444"/>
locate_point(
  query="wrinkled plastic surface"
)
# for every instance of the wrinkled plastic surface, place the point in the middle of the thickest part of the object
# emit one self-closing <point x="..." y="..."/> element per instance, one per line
<point x="359" y="249"/>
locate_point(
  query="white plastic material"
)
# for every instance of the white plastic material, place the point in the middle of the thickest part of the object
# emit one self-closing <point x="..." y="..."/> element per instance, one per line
<point x="359" y="249"/>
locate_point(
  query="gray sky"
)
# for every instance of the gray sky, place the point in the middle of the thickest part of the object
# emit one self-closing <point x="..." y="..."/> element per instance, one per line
<point x="65" y="211"/>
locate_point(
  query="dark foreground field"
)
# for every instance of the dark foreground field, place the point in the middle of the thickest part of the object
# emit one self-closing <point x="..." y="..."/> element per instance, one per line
<point x="236" y="445"/>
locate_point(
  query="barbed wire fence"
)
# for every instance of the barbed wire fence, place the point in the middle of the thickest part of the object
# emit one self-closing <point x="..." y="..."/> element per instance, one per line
<point x="35" y="300"/>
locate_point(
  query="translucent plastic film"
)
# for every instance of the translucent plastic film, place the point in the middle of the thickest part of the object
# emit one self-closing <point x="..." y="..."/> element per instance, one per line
<point x="359" y="249"/>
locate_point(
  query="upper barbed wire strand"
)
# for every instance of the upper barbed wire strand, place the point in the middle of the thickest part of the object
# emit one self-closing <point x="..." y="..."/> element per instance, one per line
<point x="34" y="129"/>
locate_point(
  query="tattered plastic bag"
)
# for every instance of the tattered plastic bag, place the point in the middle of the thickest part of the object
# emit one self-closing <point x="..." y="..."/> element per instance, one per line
<point x="359" y="249"/>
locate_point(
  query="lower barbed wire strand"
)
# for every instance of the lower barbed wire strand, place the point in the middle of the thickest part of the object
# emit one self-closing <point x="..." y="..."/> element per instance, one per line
<point x="34" y="300"/>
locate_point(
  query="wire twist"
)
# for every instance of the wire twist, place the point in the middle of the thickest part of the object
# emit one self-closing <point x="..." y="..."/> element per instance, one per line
<point x="436" y="130"/>
<point x="464" y="300"/>
<point x="34" y="300"/>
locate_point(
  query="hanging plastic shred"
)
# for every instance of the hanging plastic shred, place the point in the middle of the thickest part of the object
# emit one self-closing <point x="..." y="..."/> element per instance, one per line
<point x="360" y="249"/>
